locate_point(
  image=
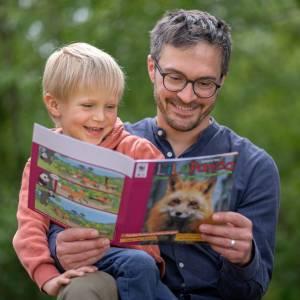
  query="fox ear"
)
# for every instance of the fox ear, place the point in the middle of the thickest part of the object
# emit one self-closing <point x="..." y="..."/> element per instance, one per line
<point x="210" y="183"/>
<point x="173" y="182"/>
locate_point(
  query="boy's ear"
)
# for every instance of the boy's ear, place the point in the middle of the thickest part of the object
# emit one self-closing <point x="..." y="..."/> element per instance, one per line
<point x="151" y="67"/>
<point x="52" y="105"/>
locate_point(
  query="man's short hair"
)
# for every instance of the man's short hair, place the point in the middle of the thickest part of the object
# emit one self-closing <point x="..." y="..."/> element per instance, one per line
<point x="185" y="28"/>
<point x="81" y="67"/>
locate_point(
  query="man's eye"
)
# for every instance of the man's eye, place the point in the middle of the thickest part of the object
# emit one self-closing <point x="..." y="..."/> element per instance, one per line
<point x="205" y="83"/>
<point x="175" y="77"/>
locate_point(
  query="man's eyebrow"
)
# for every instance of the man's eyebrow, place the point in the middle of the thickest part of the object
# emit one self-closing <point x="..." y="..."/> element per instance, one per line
<point x="212" y="78"/>
<point x="174" y="70"/>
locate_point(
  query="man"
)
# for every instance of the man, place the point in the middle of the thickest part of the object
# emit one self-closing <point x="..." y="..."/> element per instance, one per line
<point x="190" y="52"/>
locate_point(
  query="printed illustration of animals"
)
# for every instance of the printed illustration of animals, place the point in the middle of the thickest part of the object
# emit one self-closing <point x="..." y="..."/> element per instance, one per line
<point x="48" y="182"/>
<point x="68" y="192"/>
<point x="185" y="205"/>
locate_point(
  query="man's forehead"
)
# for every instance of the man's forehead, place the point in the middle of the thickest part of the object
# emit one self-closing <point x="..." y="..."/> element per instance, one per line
<point x="202" y="59"/>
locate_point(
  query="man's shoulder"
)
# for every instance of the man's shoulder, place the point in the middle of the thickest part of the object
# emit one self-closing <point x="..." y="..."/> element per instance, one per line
<point x="249" y="152"/>
<point x="142" y="128"/>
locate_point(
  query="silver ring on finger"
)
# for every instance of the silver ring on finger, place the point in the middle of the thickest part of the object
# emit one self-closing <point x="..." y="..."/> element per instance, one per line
<point x="232" y="243"/>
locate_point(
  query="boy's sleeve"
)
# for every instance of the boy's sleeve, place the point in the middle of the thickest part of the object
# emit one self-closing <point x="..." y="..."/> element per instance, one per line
<point x="139" y="148"/>
<point x="30" y="240"/>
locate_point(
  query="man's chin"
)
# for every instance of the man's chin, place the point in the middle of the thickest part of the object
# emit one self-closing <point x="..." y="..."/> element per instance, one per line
<point x="181" y="125"/>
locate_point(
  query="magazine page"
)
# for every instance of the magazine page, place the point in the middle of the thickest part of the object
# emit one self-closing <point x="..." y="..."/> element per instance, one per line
<point x="177" y="196"/>
<point x="75" y="183"/>
<point x="82" y="151"/>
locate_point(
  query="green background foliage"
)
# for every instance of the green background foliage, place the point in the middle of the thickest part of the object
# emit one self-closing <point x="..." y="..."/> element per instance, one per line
<point x="259" y="100"/>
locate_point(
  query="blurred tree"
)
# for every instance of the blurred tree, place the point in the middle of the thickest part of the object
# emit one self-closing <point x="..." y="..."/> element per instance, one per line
<point x="259" y="100"/>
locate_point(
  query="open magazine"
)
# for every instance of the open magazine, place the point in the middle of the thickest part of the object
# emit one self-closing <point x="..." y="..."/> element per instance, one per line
<point x="129" y="201"/>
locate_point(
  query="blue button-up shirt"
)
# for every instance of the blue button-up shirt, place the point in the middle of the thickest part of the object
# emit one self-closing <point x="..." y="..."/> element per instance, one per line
<point x="198" y="272"/>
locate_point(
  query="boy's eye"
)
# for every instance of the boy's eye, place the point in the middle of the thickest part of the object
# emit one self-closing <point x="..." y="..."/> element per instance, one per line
<point x="111" y="106"/>
<point x="87" y="105"/>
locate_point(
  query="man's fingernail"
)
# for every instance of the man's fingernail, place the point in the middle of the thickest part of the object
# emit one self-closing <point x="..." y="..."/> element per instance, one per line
<point x="203" y="227"/>
<point x="216" y="217"/>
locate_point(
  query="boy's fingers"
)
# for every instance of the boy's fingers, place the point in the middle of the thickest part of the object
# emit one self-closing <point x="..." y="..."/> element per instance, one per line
<point x="88" y="269"/>
<point x="64" y="281"/>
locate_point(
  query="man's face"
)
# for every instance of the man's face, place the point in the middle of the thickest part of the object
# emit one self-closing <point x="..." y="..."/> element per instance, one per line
<point x="184" y="110"/>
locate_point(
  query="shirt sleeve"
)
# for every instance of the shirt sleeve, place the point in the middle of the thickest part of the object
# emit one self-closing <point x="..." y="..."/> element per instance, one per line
<point x="259" y="201"/>
<point x="30" y="240"/>
<point x="52" y="235"/>
<point x="139" y="148"/>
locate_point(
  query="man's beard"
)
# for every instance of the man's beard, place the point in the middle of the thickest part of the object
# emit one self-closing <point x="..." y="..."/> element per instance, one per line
<point x="173" y="123"/>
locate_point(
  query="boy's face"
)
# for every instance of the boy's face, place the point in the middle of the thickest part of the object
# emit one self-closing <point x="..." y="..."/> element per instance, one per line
<point x="88" y="116"/>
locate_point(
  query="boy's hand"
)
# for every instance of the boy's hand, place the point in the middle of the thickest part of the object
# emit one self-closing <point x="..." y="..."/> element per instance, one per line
<point x="52" y="286"/>
<point x="77" y="247"/>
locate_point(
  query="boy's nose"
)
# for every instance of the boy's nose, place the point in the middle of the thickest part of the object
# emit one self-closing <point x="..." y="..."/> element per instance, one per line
<point x="98" y="115"/>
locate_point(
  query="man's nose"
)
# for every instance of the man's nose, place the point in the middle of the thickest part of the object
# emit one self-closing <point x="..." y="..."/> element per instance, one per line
<point x="187" y="95"/>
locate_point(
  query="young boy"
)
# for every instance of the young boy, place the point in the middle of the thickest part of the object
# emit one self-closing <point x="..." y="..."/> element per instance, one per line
<point x="82" y="87"/>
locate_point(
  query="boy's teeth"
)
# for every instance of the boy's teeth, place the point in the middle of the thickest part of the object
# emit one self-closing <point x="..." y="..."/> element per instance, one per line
<point x="93" y="128"/>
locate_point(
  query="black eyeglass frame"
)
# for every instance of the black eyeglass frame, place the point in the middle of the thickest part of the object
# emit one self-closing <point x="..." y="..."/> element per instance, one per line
<point x="187" y="81"/>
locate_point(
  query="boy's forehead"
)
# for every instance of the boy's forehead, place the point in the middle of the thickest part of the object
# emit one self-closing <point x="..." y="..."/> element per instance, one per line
<point x="96" y="92"/>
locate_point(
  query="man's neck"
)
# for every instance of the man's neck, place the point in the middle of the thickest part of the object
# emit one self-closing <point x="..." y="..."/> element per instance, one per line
<point x="180" y="140"/>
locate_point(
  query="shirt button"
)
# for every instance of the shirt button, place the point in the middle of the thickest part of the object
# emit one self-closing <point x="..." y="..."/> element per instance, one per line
<point x="169" y="154"/>
<point x="160" y="132"/>
<point x="181" y="265"/>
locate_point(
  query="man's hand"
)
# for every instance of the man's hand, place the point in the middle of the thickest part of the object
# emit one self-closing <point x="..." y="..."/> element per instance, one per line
<point x="78" y="247"/>
<point x="230" y="235"/>
<point x="52" y="286"/>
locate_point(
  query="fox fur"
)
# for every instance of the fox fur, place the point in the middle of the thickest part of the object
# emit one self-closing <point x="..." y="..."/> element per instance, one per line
<point x="185" y="205"/>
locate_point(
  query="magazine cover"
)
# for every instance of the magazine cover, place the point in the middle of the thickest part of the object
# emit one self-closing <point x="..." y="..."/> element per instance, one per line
<point x="184" y="194"/>
<point x="77" y="184"/>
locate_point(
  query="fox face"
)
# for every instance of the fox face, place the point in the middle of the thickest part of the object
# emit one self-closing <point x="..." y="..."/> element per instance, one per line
<point x="184" y="206"/>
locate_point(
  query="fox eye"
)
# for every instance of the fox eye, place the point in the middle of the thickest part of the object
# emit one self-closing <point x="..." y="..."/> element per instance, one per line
<point x="175" y="201"/>
<point x="194" y="204"/>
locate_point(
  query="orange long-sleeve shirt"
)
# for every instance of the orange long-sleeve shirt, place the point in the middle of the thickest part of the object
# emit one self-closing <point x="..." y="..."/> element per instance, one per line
<point x="30" y="241"/>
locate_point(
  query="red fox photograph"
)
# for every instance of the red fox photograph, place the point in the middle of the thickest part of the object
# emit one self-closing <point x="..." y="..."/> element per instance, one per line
<point x="183" y="207"/>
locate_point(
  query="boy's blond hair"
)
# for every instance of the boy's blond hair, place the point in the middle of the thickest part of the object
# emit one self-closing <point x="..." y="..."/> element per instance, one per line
<point x="81" y="67"/>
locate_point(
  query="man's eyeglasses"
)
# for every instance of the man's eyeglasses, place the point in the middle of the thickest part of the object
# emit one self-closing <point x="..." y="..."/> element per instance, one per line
<point x="176" y="82"/>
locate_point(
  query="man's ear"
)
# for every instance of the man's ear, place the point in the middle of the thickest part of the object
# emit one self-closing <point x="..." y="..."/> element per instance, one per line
<point x="52" y="105"/>
<point x="151" y="67"/>
<point x="222" y="79"/>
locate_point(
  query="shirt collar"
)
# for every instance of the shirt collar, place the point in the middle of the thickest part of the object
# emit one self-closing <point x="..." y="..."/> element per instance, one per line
<point x="195" y="149"/>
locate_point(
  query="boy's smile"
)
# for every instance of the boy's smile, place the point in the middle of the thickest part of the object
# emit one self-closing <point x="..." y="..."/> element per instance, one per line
<point x="89" y="116"/>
